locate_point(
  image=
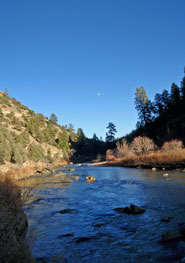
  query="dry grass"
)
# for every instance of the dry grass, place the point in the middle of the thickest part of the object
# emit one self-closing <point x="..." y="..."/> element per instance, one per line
<point x="13" y="225"/>
<point x="159" y="158"/>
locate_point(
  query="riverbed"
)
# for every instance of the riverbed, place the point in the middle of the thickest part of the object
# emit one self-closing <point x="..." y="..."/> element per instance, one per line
<point x="93" y="231"/>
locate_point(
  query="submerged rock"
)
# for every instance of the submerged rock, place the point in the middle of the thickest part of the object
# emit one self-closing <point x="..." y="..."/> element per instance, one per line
<point x="82" y="239"/>
<point x="90" y="179"/>
<point x="166" y="219"/>
<point x="77" y="178"/>
<point x="66" y="235"/>
<point x="172" y="235"/>
<point x="132" y="209"/>
<point x="67" y="211"/>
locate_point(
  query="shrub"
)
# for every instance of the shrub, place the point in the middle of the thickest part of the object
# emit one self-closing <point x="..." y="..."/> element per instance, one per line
<point x="142" y="145"/>
<point x="172" y="145"/>
<point x="13" y="224"/>
<point x="35" y="152"/>
<point x="110" y="155"/>
<point x="18" y="155"/>
<point x="123" y="148"/>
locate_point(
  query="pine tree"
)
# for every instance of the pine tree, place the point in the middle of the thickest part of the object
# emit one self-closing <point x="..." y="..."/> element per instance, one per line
<point x="111" y="132"/>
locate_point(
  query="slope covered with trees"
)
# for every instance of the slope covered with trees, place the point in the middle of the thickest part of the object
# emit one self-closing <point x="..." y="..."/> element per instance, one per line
<point x="162" y="119"/>
<point x="28" y="136"/>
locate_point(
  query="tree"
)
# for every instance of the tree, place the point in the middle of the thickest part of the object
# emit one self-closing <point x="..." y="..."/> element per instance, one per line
<point x="6" y="92"/>
<point x="95" y="137"/>
<point x="111" y="132"/>
<point x="53" y="118"/>
<point x="143" y="106"/>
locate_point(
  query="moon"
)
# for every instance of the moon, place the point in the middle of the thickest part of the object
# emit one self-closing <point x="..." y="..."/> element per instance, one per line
<point x="98" y="94"/>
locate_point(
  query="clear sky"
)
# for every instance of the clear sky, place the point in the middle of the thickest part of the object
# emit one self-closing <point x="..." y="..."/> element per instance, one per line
<point x="84" y="59"/>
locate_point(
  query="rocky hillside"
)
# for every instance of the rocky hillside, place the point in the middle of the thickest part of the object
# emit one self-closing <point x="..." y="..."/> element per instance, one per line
<point x="26" y="136"/>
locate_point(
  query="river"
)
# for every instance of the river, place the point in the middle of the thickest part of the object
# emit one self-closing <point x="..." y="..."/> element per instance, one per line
<point x="113" y="237"/>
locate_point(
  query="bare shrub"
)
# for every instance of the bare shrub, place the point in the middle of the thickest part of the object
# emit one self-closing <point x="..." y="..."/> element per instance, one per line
<point x="123" y="148"/>
<point x="110" y="155"/>
<point x="142" y="145"/>
<point x="13" y="225"/>
<point x="172" y="145"/>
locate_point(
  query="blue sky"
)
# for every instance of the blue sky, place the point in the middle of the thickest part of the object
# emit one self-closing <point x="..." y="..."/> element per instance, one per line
<point x="56" y="56"/>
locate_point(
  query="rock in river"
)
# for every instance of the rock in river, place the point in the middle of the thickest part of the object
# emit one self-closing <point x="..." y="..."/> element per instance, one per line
<point x="71" y="169"/>
<point x="90" y="179"/>
<point x="172" y="235"/>
<point x="83" y="239"/>
<point x="132" y="209"/>
<point x="67" y="211"/>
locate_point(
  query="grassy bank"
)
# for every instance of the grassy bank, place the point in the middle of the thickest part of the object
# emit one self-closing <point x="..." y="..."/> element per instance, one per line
<point x="20" y="172"/>
<point x="13" y="225"/>
<point x="159" y="159"/>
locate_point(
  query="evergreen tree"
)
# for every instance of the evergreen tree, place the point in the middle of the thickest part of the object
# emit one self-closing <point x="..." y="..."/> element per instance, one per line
<point x="53" y="118"/>
<point x="143" y="106"/>
<point x="111" y="132"/>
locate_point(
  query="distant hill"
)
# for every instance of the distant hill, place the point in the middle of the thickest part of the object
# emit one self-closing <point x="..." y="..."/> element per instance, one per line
<point x="26" y="136"/>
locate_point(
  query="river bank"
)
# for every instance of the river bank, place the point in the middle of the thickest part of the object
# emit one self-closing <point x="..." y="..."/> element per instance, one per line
<point x="160" y="160"/>
<point x="29" y="169"/>
<point x="14" y="245"/>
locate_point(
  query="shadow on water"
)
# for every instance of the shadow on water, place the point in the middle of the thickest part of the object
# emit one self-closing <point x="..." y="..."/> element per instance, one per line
<point x="97" y="233"/>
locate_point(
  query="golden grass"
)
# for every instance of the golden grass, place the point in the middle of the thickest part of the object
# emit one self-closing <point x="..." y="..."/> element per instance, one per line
<point x="13" y="225"/>
<point x="159" y="158"/>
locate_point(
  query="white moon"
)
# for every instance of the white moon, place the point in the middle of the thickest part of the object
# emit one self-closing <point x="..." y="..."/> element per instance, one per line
<point x="98" y="94"/>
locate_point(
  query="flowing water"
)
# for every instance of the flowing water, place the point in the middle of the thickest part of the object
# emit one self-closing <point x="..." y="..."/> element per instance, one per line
<point x="107" y="236"/>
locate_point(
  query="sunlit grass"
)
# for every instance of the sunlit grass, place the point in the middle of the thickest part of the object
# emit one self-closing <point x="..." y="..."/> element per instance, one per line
<point x="176" y="157"/>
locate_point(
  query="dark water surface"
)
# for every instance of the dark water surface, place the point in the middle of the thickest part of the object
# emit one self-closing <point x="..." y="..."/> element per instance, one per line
<point x="114" y="237"/>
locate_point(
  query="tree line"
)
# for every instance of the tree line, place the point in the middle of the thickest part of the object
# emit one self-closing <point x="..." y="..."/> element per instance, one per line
<point x="159" y="119"/>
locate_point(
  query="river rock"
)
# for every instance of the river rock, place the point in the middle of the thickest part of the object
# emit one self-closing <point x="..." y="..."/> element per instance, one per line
<point x="90" y="179"/>
<point x="165" y="175"/>
<point x="77" y="178"/>
<point x="154" y="169"/>
<point x="71" y="169"/>
<point x="67" y="211"/>
<point x="83" y="239"/>
<point x="166" y="219"/>
<point x="172" y="235"/>
<point x="133" y="209"/>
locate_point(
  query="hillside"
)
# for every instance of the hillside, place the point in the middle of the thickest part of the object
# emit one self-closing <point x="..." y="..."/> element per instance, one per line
<point x="29" y="137"/>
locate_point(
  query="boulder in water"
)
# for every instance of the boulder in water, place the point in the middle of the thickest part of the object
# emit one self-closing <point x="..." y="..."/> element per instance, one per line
<point x="132" y="209"/>
<point x="71" y="169"/>
<point x="90" y="179"/>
